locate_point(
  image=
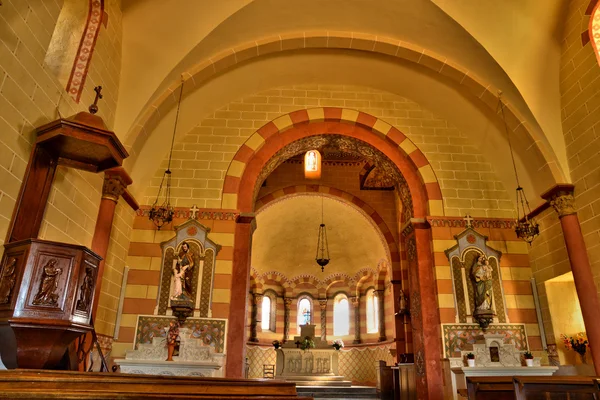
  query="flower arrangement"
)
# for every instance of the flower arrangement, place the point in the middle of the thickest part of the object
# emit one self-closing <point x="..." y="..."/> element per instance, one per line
<point x="577" y="343"/>
<point x="276" y="344"/>
<point x="527" y="355"/>
<point x="307" y="344"/>
<point x="470" y="356"/>
<point x="338" y="344"/>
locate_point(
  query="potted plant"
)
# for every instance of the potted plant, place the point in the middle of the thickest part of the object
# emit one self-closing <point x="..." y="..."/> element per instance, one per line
<point x="307" y="344"/>
<point x="338" y="344"/>
<point x="577" y="343"/>
<point x="470" y="359"/>
<point x="276" y="344"/>
<point x="528" y="358"/>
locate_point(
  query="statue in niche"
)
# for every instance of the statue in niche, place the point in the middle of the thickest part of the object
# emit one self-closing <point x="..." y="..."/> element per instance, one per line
<point x="85" y="295"/>
<point x="182" y="272"/>
<point x="48" y="285"/>
<point x="7" y="282"/>
<point x="482" y="275"/>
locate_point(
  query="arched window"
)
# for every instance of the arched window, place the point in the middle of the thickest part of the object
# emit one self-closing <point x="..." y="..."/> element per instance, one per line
<point x="341" y="315"/>
<point x="266" y="313"/>
<point x="304" y="312"/>
<point x="372" y="312"/>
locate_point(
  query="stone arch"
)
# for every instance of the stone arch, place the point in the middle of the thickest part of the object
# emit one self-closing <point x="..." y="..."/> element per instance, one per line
<point x="205" y="70"/>
<point x="256" y="285"/>
<point x="376" y="219"/>
<point x="305" y="279"/>
<point x="425" y="193"/>
<point x="382" y="274"/>
<point x="332" y="280"/>
<point x="275" y="278"/>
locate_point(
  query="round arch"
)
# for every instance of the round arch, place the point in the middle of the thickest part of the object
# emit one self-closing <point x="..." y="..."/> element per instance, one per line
<point x="376" y="219"/>
<point x="244" y="169"/>
<point x="423" y="58"/>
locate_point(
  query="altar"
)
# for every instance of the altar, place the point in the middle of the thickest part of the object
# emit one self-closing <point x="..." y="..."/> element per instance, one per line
<point x="196" y="357"/>
<point x="493" y="357"/>
<point x="316" y="366"/>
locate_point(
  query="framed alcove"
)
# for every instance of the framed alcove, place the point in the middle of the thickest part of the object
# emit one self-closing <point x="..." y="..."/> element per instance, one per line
<point x="204" y="255"/>
<point x="463" y="256"/>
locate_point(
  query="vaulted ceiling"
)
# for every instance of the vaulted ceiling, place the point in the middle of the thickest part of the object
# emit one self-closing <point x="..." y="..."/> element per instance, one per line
<point x="512" y="45"/>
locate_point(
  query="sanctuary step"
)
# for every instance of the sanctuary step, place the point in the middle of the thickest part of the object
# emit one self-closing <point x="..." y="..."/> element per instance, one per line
<point x="331" y="392"/>
<point x="46" y="384"/>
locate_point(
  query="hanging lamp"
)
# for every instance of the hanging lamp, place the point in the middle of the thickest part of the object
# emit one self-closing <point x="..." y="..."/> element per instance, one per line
<point x="525" y="228"/>
<point x="322" y="257"/>
<point x="162" y="212"/>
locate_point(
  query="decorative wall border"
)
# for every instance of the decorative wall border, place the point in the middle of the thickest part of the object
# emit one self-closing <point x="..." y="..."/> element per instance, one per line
<point x="187" y="213"/>
<point x="81" y="64"/>
<point x="456" y="336"/>
<point x="459" y="222"/>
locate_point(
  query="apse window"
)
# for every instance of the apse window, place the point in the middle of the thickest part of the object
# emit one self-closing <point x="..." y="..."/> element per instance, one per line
<point x="372" y="312"/>
<point x="341" y="315"/>
<point x="266" y="313"/>
<point x="304" y="312"/>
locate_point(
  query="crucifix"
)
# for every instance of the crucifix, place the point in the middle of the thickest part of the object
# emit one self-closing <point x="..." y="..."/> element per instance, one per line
<point x="469" y="221"/>
<point x="193" y="211"/>
<point x="94" y="107"/>
<point x="306" y="317"/>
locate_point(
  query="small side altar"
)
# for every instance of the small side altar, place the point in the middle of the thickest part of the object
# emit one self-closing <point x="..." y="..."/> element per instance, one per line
<point x="493" y="357"/>
<point x="195" y="358"/>
<point x="316" y="366"/>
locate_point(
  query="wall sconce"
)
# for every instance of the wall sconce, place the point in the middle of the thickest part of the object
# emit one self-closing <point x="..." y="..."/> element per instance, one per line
<point x="403" y="307"/>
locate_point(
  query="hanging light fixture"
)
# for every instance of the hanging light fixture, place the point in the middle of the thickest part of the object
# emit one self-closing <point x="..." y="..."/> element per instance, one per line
<point x="312" y="164"/>
<point x="525" y="228"/>
<point x="322" y="245"/>
<point x="161" y="214"/>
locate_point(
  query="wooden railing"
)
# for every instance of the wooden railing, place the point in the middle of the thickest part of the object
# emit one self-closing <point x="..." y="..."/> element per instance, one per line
<point x="533" y="387"/>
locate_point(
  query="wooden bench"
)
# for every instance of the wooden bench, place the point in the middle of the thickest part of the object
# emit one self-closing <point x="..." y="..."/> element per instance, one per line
<point x="556" y="387"/>
<point x="490" y="388"/>
<point x="45" y="384"/>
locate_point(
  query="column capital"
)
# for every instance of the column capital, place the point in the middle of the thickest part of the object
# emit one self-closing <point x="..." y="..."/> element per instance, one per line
<point x="561" y="198"/>
<point x="323" y="304"/>
<point x="116" y="181"/>
<point x="287" y="302"/>
<point x="258" y="297"/>
<point x="247" y="218"/>
<point x="355" y="300"/>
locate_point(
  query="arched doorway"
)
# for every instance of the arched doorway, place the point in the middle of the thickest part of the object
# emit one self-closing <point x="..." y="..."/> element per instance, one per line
<point x="393" y="152"/>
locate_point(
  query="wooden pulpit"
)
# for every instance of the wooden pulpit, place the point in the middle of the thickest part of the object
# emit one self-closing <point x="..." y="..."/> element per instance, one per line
<point x="47" y="289"/>
<point x="46" y="294"/>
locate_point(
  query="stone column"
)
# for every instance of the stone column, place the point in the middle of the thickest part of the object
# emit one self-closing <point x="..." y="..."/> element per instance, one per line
<point x="256" y="305"/>
<point x="116" y="181"/>
<point x="287" y="302"/>
<point x="356" y="304"/>
<point x="323" y="306"/>
<point x="380" y="300"/>
<point x="561" y="198"/>
<point x="240" y="286"/>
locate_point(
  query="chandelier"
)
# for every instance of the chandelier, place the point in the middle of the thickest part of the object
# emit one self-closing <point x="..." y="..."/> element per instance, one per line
<point x="162" y="211"/>
<point x="525" y="228"/>
<point x="322" y="257"/>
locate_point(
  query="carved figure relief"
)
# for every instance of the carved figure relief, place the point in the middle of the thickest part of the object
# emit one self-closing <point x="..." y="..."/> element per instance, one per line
<point x="46" y="295"/>
<point x="86" y="290"/>
<point x="7" y="282"/>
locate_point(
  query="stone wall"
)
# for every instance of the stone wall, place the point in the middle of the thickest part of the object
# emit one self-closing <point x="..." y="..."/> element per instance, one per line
<point x="201" y="158"/>
<point x="31" y="96"/>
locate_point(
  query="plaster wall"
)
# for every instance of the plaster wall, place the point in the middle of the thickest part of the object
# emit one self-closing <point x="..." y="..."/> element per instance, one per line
<point x="31" y="96"/>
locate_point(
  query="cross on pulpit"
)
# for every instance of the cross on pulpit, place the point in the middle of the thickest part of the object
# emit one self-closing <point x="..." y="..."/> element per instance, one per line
<point x="469" y="220"/>
<point x="94" y="107"/>
<point x="194" y="210"/>
<point x="306" y="317"/>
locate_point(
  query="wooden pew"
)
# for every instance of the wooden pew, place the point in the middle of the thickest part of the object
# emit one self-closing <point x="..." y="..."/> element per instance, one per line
<point x="490" y="388"/>
<point x="45" y="384"/>
<point x="555" y="387"/>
